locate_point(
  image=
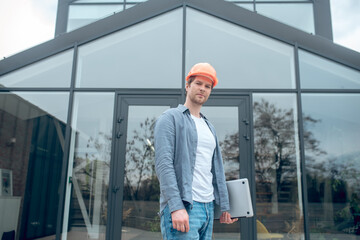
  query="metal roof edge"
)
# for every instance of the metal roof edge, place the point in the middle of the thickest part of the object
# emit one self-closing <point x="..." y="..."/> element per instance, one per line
<point x="218" y="8"/>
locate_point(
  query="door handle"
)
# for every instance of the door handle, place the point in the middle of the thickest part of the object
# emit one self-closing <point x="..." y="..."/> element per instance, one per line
<point x="115" y="189"/>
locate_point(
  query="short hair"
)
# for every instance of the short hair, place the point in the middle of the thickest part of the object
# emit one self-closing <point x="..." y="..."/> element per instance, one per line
<point x="192" y="78"/>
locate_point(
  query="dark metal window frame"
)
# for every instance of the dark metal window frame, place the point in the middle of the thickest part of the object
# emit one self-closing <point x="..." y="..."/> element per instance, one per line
<point x="322" y="14"/>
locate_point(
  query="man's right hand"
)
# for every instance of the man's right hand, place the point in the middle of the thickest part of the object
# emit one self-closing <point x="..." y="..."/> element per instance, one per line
<point x="180" y="220"/>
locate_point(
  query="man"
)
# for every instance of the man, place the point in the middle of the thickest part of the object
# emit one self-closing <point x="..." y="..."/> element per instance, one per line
<point x="189" y="165"/>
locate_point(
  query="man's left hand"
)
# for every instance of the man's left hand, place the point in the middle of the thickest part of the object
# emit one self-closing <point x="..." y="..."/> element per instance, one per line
<point x="226" y="218"/>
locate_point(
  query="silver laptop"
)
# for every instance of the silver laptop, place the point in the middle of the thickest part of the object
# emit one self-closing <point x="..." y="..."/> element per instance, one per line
<point x="240" y="199"/>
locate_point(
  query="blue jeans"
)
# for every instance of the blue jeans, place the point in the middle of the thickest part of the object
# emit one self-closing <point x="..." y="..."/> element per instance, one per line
<point x="201" y="218"/>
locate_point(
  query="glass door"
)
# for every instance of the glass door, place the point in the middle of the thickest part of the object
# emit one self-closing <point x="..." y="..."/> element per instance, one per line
<point x="136" y="189"/>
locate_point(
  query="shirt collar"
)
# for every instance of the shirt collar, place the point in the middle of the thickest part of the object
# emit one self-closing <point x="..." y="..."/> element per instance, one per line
<point x="185" y="109"/>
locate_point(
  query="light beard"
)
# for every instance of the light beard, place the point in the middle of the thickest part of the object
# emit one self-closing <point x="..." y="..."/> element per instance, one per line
<point x="197" y="101"/>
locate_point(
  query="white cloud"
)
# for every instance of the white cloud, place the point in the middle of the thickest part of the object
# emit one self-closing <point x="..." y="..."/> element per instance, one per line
<point x="345" y="16"/>
<point x="24" y="24"/>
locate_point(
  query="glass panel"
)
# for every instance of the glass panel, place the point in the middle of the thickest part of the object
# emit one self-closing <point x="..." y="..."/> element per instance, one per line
<point x="135" y="1"/>
<point x="32" y="135"/>
<point x="248" y="6"/>
<point x="279" y="206"/>
<point x="226" y="123"/>
<point x="332" y="137"/>
<point x="238" y="54"/>
<point x="54" y="71"/>
<point x="127" y="6"/>
<point x="299" y="15"/>
<point x="283" y="1"/>
<point x="85" y="214"/>
<point x="81" y="15"/>
<point x="239" y="0"/>
<point x="146" y="55"/>
<point x="98" y="1"/>
<point x="141" y="186"/>
<point x="317" y="72"/>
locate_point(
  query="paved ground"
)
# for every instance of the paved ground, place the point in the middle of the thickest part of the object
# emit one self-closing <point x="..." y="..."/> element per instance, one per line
<point x="136" y="234"/>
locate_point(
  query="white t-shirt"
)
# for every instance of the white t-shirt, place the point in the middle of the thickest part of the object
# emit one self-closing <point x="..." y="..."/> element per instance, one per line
<point x="202" y="188"/>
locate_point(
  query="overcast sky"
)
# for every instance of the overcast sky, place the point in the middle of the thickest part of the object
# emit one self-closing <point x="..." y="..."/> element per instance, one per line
<point x="26" y="23"/>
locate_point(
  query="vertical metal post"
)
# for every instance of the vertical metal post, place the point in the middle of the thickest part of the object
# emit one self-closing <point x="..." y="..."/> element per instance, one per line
<point x="302" y="145"/>
<point x="63" y="181"/>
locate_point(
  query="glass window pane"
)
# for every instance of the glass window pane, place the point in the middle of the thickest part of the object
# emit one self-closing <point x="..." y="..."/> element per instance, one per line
<point x="53" y="71"/>
<point x="318" y="72"/>
<point x="277" y="167"/>
<point x="141" y="185"/>
<point x="32" y="136"/>
<point x="248" y="6"/>
<point x="244" y="4"/>
<point x="135" y="1"/>
<point x="97" y="1"/>
<point x="81" y="15"/>
<point x="85" y="213"/>
<point x="127" y="6"/>
<point x="299" y="15"/>
<point x="130" y="4"/>
<point x="242" y="58"/>
<point x="283" y="1"/>
<point x="332" y="150"/>
<point x="147" y="55"/>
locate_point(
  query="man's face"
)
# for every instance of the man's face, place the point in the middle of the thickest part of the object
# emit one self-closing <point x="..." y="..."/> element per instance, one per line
<point x="198" y="91"/>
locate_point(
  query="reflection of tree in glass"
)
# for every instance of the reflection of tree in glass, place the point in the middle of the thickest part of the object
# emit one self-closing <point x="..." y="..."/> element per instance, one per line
<point x="333" y="184"/>
<point x="141" y="186"/>
<point x="140" y="177"/>
<point x="275" y="149"/>
<point x="276" y="166"/>
<point x="312" y="147"/>
<point x="230" y="153"/>
<point x="91" y="171"/>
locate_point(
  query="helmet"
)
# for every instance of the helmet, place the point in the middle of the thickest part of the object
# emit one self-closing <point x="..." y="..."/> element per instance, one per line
<point x="203" y="69"/>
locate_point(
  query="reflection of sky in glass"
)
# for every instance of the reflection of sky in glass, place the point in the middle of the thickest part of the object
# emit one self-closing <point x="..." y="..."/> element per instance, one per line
<point x="93" y="118"/>
<point x="338" y="130"/>
<point x="241" y="54"/>
<point x="224" y="119"/>
<point x="54" y="71"/>
<point x="282" y="101"/>
<point x="54" y="103"/>
<point x="318" y="72"/>
<point x="299" y="15"/>
<point x="159" y="42"/>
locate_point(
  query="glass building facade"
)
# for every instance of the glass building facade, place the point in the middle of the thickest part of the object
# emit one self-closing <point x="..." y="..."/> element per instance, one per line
<point x="77" y="116"/>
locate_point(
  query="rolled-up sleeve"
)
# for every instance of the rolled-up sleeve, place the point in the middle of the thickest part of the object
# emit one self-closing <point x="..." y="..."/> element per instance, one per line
<point x="165" y="139"/>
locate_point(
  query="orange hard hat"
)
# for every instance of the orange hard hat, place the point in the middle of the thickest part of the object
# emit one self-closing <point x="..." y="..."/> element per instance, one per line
<point x="203" y="69"/>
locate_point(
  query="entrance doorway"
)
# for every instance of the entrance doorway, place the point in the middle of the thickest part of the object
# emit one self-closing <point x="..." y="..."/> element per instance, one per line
<point x="135" y="189"/>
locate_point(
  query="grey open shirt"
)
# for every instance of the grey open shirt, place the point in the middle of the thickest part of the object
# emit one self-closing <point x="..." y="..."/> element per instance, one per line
<point x="175" y="154"/>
